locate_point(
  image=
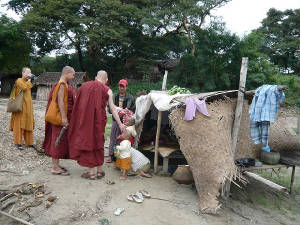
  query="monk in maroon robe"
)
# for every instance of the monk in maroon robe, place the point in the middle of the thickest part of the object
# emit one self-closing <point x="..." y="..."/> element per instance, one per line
<point x="87" y="125"/>
<point x="52" y="131"/>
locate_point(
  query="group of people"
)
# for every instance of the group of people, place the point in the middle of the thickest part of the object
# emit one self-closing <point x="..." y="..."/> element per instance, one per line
<point x="75" y="125"/>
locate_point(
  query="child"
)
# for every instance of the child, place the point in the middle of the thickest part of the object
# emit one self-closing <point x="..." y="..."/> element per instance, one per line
<point x="140" y="164"/>
<point x="124" y="160"/>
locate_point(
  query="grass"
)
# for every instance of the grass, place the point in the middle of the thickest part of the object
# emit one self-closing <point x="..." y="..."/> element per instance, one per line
<point x="283" y="178"/>
<point x="278" y="201"/>
<point x="294" y="129"/>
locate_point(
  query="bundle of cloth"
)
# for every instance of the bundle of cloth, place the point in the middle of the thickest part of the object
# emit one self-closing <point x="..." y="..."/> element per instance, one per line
<point x="263" y="110"/>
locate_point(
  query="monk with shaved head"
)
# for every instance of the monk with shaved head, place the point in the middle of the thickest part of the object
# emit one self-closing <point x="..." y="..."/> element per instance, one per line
<point x="87" y="125"/>
<point x="62" y="95"/>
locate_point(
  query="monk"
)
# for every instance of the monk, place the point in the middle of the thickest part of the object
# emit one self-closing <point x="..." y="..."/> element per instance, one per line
<point x="87" y="125"/>
<point x="22" y="123"/>
<point x="52" y="132"/>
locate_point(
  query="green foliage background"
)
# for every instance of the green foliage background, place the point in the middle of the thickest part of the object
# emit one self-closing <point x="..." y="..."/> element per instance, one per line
<point x="126" y="38"/>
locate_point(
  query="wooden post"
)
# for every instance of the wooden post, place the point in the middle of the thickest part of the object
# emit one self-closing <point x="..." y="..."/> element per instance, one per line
<point x="238" y="115"/>
<point x="239" y="105"/>
<point x="292" y="179"/>
<point x="298" y="124"/>
<point x="164" y="84"/>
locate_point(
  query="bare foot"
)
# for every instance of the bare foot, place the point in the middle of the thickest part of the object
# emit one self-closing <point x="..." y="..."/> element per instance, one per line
<point x="109" y="160"/>
<point x="145" y="175"/>
<point x="122" y="177"/>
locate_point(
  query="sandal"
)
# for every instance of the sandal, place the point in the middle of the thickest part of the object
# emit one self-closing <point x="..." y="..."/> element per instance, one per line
<point x="63" y="173"/>
<point x="100" y="175"/>
<point x="40" y="151"/>
<point x="88" y="175"/>
<point x="63" y="168"/>
<point x="119" y="211"/>
<point x="19" y="147"/>
<point x="134" y="198"/>
<point x="32" y="146"/>
<point x="145" y="194"/>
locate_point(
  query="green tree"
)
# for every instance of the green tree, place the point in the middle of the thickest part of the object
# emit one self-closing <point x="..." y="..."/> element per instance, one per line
<point x="216" y="63"/>
<point x="282" y="39"/>
<point x="180" y="17"/>
<point x="114" y="32"/>
<point x="15" y="47"/>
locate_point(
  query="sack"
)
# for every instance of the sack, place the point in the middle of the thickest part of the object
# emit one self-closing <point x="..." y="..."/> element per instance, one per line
<point x="15" y="104"/>
<point x="53" y="115"/>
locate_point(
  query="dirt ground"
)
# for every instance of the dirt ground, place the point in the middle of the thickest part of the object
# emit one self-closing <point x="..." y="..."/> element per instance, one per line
<point x="88" y="202"/>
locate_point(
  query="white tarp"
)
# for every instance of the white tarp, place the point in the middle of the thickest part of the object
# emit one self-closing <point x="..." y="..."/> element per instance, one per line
<point x="161" y="100"/>
<point x="164" y="102"/>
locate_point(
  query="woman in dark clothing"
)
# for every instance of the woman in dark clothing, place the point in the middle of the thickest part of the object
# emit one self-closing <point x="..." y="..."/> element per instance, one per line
<point x="122" y="100"/>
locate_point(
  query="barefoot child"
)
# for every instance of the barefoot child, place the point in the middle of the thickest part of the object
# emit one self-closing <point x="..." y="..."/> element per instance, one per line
<point x="123" y="157"/>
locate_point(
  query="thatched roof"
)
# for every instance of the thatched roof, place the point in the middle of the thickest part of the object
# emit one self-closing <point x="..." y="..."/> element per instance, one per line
<point x="50" y="78"/>
<point x="167" y="64"/>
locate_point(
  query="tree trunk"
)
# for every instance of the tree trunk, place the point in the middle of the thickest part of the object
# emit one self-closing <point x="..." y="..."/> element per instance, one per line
<point x="80" y="57"/>
<point x="190" y="38"/>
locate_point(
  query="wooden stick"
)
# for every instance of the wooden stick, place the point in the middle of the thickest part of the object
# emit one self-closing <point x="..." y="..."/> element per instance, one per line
<point x="157" y="142"/>
<point x="15" y="218"/>
<point x="239" y="105"/>
<point x="266" y="182"/>
<point x="158" y="127"/>
<point x="238" y="115"/>
<point x="280" y="88"/>
<point x="292" y="179"/>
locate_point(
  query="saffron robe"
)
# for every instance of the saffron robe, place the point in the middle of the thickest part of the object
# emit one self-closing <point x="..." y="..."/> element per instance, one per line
<point x="52" y="131"/>
<point x="22" y="123"/>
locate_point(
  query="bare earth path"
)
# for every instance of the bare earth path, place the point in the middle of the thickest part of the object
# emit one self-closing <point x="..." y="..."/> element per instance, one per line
<point x="87" y="202"/>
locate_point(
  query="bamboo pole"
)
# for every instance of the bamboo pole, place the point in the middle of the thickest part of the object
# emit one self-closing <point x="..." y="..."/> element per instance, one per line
<point x="280" y="88"/>
<point x="15" y="218"/>
<point x="164" y="84"/>
<point x="238" y="115"/>
<point x="266" y="182"/>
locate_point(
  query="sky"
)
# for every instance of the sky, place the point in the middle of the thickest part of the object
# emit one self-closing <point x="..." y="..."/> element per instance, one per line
<point x="242" y="16"/>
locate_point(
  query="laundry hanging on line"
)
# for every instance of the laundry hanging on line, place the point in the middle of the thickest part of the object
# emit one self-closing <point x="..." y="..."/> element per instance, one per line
<point x="193" y="104"/>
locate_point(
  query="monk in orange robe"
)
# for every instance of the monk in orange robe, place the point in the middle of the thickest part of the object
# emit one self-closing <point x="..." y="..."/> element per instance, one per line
<point x="22" y="123"/>
<point x="87" y="125"/>
<point x="59" y="92"/>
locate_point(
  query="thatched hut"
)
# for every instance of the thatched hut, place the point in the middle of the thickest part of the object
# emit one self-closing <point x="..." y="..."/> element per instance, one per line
<point x="205" y="142"/>
<point x="7" y="82"/>
<point x="46" y="80"/>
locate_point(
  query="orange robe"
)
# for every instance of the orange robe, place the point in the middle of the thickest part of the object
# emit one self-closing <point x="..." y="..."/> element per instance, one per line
<point x="22" y="123"/>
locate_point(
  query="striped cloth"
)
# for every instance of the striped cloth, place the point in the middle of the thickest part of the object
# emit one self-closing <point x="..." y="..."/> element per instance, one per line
<point x="259" y="132"/>
<point x="138" y="160"/>
<point x="266" y="103"/>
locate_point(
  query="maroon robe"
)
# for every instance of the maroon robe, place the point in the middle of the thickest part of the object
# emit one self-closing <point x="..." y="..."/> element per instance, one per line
<point x="52" y="131"/>
<point x="87" y="125"/>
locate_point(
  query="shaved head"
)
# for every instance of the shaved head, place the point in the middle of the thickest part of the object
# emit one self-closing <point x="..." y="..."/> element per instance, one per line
<point x="67" y="73"/>
<point x="102" y="76"/>
<point x="67" y="69"/>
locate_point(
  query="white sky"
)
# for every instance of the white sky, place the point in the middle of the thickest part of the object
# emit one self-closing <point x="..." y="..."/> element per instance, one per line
<point x="242" y="16"/>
